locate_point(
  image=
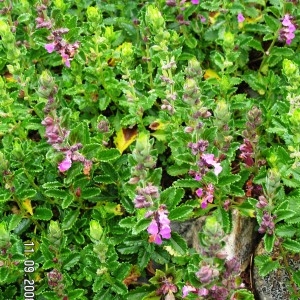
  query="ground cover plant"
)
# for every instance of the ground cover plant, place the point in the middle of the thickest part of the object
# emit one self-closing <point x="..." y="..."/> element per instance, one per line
<point x="119" y="118"/>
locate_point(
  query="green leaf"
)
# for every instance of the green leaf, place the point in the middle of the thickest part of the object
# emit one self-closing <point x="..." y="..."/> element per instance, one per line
<point x="42" y="213"/>
<point x="80" y="134"/>
<point x="268" y="266"/>
<point x="90" y="192"/>
<point x="187" y="183"/>
<point x="67" y="201"/>
<point x="185" y="158"/>
<point x="70" y="219"/>
<point x="143" y="258"/>
<point x="48" y="264"/>
<point x="109" y="170"/>
<point x="228" y="179"/>
<point x="107" y="155"/>
<point x="119" y="287"/>
<point x="285" y="230"/>
<point x="282" y="51"/>
<point x="177" y="243"/>
<point x="55" y="193"/>
<point x="283" y="214"/>
<point x="178" y="170"/>
<point x="243" y="295"/>
<point x="171" y="196"/>
<point x="75" y="294"/>
<point x="190" y="41"/>
<point x="121" y="271"/>
<point x="141" y="225"/>
<point x="14" y="222"/>
<point x="52" y="185"/>
<point x="273" y="23"/>
<point x="291" y="245"/>
<point x="296" y="277"/>
<point x="71" y="260"/>
<point x="269" y="242"/>
<point x="127" y="222"/>
<point x="181" y="213"/>
<point x="139" y="293"/>
<point x="27" y="193"/>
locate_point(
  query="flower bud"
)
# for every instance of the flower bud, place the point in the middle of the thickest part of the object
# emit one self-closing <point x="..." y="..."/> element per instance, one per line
<point x="54" y="234"/>
<point x="94" y="15"/>
<point x="154" y="19"/>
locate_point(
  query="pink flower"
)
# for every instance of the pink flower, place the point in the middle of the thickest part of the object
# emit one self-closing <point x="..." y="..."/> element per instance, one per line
<point x="195" y="1"/>
<point x="65" y="164"/>
<point x="199" y="192"/>
<point x="240" y="18"/>
<point x="50" y="47"/>
<point x="209" y="159"/>
<point x="186" y="289"/>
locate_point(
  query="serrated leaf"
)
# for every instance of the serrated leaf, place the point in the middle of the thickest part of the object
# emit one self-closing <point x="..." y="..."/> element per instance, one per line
<point x="14" y="222"/>
<point x="127" y="222"/>
<point x="75" y="294"/>
<point x="282" y="51"/>
<point x="108" y="154"/>
<point x="285" y="230"/>
<point x="125" y="137"/>
<point x="177" y="243"/>
<point x="284" y="214"/>
<point x="110" y="171"/>
<point x="119" y="287"/>
<point x="141" y="225"/>
<point x="181" y="213"/>
<point x="185" y="158"/>
<point x="71" y="260"/>
<point x="121" y="271"/>
<point x="178" y="170"/>
<point x="143" y="258"/>
<point x="27" y="193"/>
<point x="69" y="219"/>
<point x="186" y="183"/>
<point x="268" y="267"/>
<point x="269" y="242"/>
<point x="171" y="196"/>
<point x="42" y="213"/>
<point x="273" y="23"/>
<point x="228" y="179"/>
<point x="80" y="134"/>
<point x="52" y="185"/>
<point x="291" y="245"/>
<point x="296" y="277"/>
<point x="48" y="264"/>
<point x="128" y="249"/>
<point x="67" y="201"/>
<point x="55" y="193"/>
<point x="90" y="192"/>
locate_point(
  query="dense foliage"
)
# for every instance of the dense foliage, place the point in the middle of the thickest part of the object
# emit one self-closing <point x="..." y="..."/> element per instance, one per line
<point x="121" y="117"/>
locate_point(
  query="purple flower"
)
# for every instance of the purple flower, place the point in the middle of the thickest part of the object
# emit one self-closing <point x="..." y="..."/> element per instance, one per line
<point x="247" y="153"/>
<point x="195" y="1"/>
<point x="160" y="226"/>
<point x="205" y="274"/>
<point x="240" y="18"/>
<point x="262" y="202"/>
<point x="153" y="230"/>
<point x="65" y="164"/>
<point x="287" y="33"/>
<point x="267" y="225"/>
<point x="203" y="292"/>
<point x="50" y="47"/>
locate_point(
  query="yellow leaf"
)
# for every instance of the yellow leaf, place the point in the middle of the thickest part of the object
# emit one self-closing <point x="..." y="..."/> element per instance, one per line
<point x="125" y="137"/>
<point x="213" y="17"/>
<point x="209" y="73"/>
<point x="158" y="124"/>
<point x="27" y="206"/>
